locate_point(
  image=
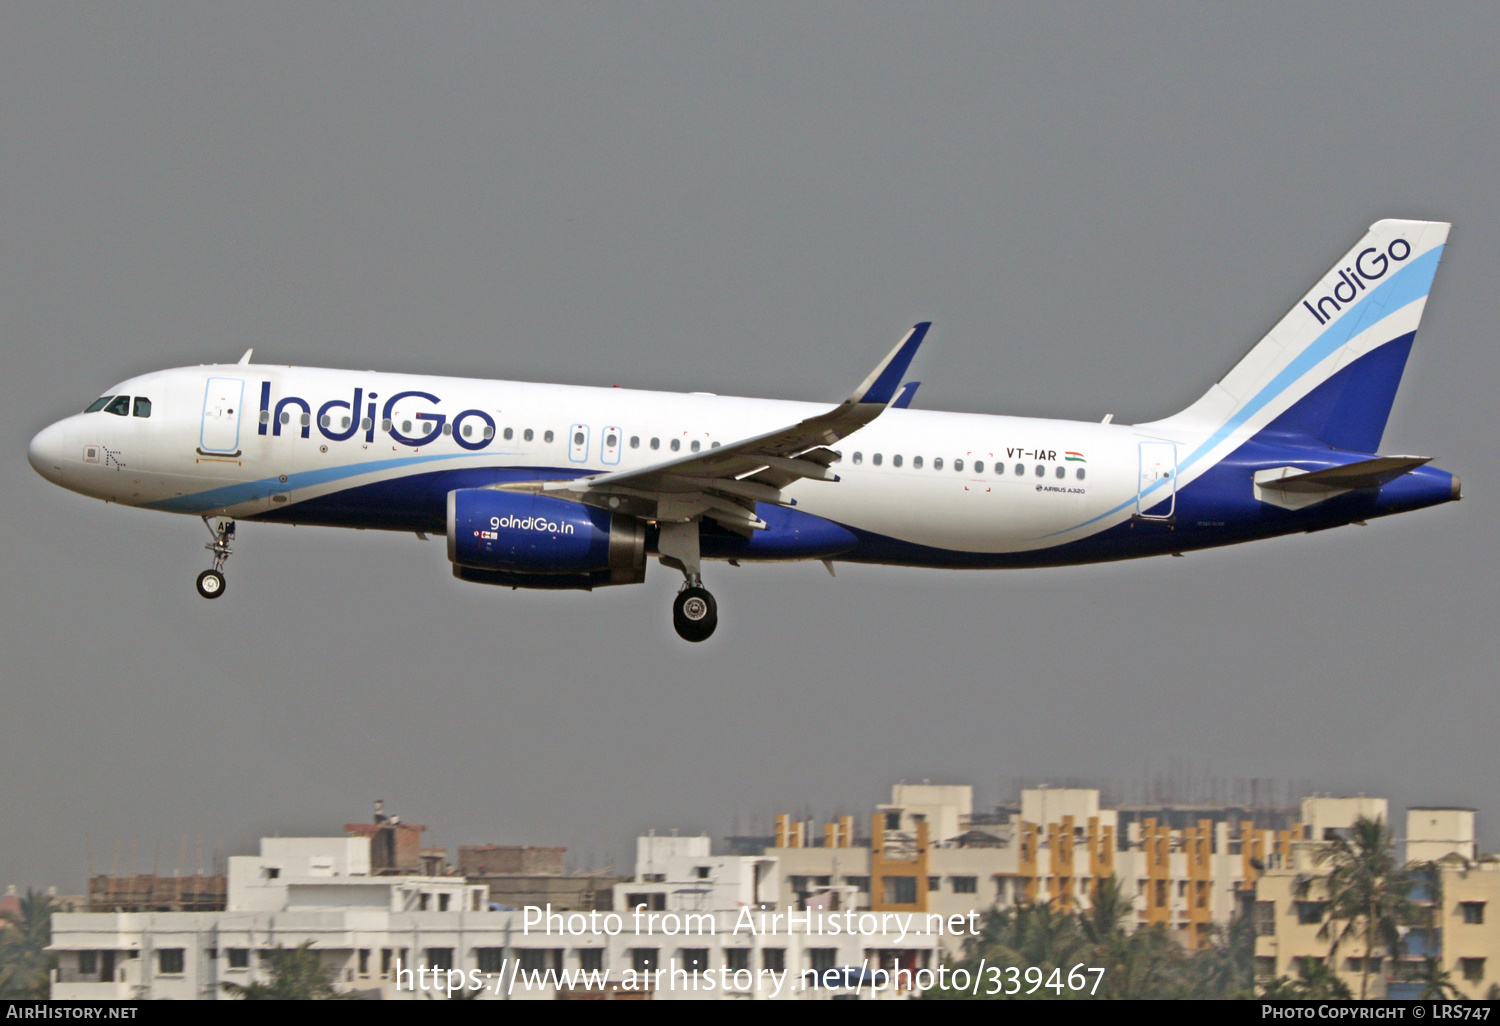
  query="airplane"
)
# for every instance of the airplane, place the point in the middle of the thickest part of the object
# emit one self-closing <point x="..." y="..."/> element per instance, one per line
<point x="571" y="487"/>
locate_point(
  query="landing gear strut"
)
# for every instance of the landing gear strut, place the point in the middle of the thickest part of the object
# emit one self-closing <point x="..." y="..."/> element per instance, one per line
<point x="695" y="614"/>
<point x="211" y="582"/>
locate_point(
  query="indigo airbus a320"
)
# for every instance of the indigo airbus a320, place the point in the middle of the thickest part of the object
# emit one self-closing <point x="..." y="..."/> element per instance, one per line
<point x="561" y="486"/>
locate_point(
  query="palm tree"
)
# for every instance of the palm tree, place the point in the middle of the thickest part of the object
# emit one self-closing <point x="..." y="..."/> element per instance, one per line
<point x="1368" y="893"/>
<point x="1026" y="935"/>
<point x="1226" y="968"/>
<point x="1110" y="911"/>
<point x="1317" y="981"/>
<point x="1437" y="983"/>
<point x="25" y="963"/>
<point x="1314" y="981"/>
<point x="296" y="974"/>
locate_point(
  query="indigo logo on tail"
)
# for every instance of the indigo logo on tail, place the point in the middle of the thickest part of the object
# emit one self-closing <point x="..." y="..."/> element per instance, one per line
<point x="1351" y="280"/>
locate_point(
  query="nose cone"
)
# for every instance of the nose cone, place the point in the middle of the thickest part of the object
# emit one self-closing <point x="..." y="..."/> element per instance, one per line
<point x="47" y="452"/>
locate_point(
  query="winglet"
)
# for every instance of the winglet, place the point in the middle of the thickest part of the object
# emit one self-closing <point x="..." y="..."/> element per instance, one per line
<point x="904" y="397"/>
<point x="248" y="353"/>
<point x="880" y="387"/>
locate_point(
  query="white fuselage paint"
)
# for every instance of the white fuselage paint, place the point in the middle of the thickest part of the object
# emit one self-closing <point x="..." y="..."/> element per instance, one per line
<point x="180" y="460"/>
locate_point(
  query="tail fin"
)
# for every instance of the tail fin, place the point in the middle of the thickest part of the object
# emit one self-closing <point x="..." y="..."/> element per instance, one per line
<point x="1330" y="369"/>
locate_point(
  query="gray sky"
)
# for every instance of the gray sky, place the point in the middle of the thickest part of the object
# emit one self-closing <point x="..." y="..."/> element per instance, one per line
<point x="1101" y="209"/>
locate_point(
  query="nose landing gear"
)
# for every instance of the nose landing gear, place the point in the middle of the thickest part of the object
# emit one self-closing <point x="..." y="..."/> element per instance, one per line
<point x="211" y="582"/>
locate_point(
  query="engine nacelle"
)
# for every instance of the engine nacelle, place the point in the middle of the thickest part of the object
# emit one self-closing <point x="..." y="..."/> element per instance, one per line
<point x="522" y="533"/>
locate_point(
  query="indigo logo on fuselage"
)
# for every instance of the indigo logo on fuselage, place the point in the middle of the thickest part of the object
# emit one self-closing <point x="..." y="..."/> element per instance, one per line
<point x="337" y="427"/>
<point x="1370" y="265"/>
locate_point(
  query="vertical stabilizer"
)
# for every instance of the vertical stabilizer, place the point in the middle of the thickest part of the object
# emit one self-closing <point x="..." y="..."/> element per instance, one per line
<point x="1330" y="368"/>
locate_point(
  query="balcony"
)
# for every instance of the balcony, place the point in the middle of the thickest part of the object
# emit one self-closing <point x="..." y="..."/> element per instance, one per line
<point x="71" y="985"/>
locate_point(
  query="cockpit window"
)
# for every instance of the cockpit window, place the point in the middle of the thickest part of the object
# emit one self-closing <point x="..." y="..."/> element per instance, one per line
<point x="142" y="406"/>
<point x="98" y="404"/>
<point x="119" y="406"/>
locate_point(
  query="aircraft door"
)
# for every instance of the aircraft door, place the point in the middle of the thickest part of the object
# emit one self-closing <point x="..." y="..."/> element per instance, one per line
<point x="1158" y="481"/>
<point x="222" y="402"/>
<point x="610" y="449"/>
<point x="578" y="443"/>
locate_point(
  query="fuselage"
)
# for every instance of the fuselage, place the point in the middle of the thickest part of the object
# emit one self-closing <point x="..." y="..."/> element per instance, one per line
<point x="361" y="449"/>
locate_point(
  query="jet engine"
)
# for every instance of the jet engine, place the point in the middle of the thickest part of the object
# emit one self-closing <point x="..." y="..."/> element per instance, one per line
<point x="525" y="540"/>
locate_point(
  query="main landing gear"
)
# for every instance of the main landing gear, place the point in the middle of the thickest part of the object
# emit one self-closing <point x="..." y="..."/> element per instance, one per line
<point x="695" y="614"/>
<point x="211" y="582"/>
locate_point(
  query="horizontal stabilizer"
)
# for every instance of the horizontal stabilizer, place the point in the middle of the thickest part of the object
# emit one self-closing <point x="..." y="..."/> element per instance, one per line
<point x="1364" y="474"/>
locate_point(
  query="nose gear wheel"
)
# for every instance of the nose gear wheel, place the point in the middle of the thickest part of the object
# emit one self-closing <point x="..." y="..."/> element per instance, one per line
<point x="211" y="583"/>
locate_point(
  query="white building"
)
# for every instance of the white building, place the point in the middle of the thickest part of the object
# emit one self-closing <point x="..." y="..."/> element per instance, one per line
<point x="697" y="928"/>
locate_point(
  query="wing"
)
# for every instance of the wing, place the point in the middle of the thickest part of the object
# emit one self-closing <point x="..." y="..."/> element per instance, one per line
<point x="726" y="482"/>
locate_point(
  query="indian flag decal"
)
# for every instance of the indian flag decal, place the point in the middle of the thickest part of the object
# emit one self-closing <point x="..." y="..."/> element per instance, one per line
<point x="1074" y="457"/>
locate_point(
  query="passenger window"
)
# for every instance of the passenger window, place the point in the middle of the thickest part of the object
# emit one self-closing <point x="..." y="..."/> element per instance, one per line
<point x="366" y="424"/>
<point x="405" y="426"/>
<point x="265" y="416"/>
<point x="1080" y="473"/>
<point x="547" y="437"/>
<point x="859" y="458"/>
<point x="325" y="421"/>
<point x="979" y="466"/>
<point x="385" y="425"/>
<point x="713" y="445"/>
<point x="426" y="427"/>
<point x="142" y="406"/>
<point x="875" y="459"/>
<point x="578" y="438"/>
<point x="344" y="425"/>
<point x="489" y="432"/>
<point x="695" y="445"/>
<point x="1062" y="472"/>
<point x="1041" y="471"/>
<point x="509" y="433"/>
<point x="676" y="444"/>
<point x="468" y="430"/>
<point x="937" y="464"/>
<point x="896" y="460"/>
<point x="958" y="464"/>
<point x="447" y="428"/>
<point x="120" y="407"/>
<point x="999" y="468"/>
<point x="1020" y="470"/>
<point x="306" y="419"/>
<point x="916" y="462"/>
<point x="527" y="435"/>
<point x="99" y="404"/>
<point x="609" y="440"/>
<point x="656" y="443"/>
